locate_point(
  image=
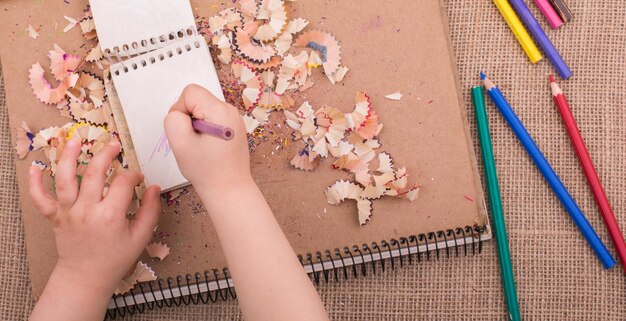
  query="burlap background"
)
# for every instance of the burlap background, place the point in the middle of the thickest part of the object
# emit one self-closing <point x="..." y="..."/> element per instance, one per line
<point x="558" y="277"/>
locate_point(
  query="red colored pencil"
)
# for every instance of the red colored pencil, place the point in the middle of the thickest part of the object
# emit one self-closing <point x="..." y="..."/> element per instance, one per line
<point x="590" y="172"/>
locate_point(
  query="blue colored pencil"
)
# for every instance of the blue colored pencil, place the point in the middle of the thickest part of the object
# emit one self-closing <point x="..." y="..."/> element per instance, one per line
<point x="548" y="173"/>
<point x="542" y="39"/>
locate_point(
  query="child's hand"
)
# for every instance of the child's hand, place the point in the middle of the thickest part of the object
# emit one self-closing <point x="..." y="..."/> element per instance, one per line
<point x="95" y="241"/>
<point x="209" y="163"/>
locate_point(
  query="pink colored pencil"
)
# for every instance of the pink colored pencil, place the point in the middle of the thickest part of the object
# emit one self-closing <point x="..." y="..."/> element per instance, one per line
<point x="548" y="11"/>
<point x="212" y="129"/>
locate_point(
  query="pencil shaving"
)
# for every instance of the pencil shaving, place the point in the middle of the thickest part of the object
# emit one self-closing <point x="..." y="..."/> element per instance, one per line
<point x="335" y="123"/>
<point x="251" y="49"/>
<point x="83" y="111"/>
<point x="88" y="88"/>
<point x="275" y="14"/>
<point x="305" y="160"/>
<point x="342" y="190"/>
<point x="275" y="61"/>
<point x="325" y="44"/>
<point x="23" y="140"/>
<point x="364" y="207"/>
<point x="32" y="32"/>
<point x="95" y="54"/>
<point x="250" y="123"/>
<point x="42" y="167"/>
<point x="271" y="100"/>
<point x="158" y="250"/>
<point x="394" y="96"/>
<point x="88" y="27"/>
<point x="284" y="41"/>
<point x="43" y="90"/>
<point x="252" y="81"/>
<point x="248" y="7"/>
<point x="71" y="23"/>
<point x="62" y="64"/>
<point x="141" y="273"/>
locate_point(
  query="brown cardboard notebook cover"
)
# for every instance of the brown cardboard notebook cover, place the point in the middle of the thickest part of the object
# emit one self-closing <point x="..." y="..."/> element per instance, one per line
<point x="389" y="46"/>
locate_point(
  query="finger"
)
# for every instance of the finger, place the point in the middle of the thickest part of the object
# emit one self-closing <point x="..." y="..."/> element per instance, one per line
<point x="147" y="216"/>
<point x="198" y="102"/>
<point x="94" y="178"/>
<point x="65" y="181"/>
<point x="44" y="202"/>
<point x="121" y="190"/>
<point x="178" y="128"/>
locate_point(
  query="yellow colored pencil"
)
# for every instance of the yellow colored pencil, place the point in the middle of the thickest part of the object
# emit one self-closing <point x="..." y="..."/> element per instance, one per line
<point x="518" y="30"/>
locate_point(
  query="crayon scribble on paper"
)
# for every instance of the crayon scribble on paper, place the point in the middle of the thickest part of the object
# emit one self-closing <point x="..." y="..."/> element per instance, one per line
<point x="162" y="147"/>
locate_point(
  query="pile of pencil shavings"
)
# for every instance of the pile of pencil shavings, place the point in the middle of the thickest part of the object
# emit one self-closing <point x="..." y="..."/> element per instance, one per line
<point x="273" y="58"/>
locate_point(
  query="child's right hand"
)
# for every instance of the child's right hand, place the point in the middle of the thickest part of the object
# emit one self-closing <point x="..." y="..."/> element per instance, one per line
<point x="209" y="163"/>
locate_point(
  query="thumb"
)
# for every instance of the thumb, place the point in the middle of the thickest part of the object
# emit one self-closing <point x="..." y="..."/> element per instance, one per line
<point x="147" y="216"/>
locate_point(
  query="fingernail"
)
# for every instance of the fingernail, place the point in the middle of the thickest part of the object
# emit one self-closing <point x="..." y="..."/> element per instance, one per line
<point x="73" y="142"/>
<point x="113" y="142"/>
<point x="31" y="170"/>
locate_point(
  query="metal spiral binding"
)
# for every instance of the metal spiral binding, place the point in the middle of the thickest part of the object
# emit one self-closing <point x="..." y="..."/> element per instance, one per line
<point x="151" y="58"/>
<point x="216" y="285"/>
<point x="118" y="53"/>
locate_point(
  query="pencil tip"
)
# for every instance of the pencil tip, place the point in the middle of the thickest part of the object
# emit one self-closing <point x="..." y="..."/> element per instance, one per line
<point x="482" y="76"/>
<point x="556" y="90"/>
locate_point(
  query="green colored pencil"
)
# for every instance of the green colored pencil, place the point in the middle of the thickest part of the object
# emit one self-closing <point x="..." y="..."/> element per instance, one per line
<point x="502" y="243"/>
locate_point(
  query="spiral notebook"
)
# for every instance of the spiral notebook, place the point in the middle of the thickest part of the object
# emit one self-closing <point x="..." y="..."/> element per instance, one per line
<point x="389" y="46"/>
<point x="159" y="53"/>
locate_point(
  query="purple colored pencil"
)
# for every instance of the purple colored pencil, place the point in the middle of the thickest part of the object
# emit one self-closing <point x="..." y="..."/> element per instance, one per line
<point x="214" y="130"/>
<point x="544" y="42"/>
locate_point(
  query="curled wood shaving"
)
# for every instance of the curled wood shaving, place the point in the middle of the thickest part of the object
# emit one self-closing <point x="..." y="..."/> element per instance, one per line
<point x="345" y="190"/>
<point x="275" y="61"/>
<point x="95" y="54"/>
<point x="250" y="123"/>
<point x="23" y="140"/>
<point x="364" y="207"/>
<point x="62" y="64"/>
<point x="88" y="27"/>
<point x="325" y="44"/>
<point x="385" y="163"/>
<point x="32" y="32"/>
<point x="251" y="79"/>
<point x="39" y="164"/>
<point x="251" y="49"/>
<point x="283" y="42"/>
<point x="44" y="90"/>
<point x="335" y="123"/>
<point x="158" y="250"/>
<point x="141" y="273"/>
<point x="88" y="88"/>
<point x="305" y="160"/>
<point x="84" y="111"/>
<point x="394" y="96"/>
<point x="71" y="23"/>
<point x="275" y="13"/>
<point x="248" y="7"/>
<point x="342" y="190"/>
<point x="270" y="99"/>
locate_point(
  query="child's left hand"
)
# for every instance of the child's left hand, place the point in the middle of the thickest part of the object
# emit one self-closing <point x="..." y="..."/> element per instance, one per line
<point x="96" y="244"/>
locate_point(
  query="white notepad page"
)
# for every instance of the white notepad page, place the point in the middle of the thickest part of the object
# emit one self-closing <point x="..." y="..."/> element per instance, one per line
<point x="147" y="90"/>
<point x="130" y="27"/>
<point x="168" y="55"/>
